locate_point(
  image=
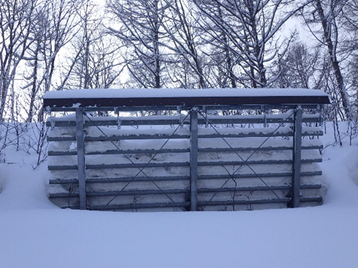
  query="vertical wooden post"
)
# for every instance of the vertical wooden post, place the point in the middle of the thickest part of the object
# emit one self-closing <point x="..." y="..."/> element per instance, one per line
<point x="296" y="168"/>
<point x="81" y="164"/>
<point x="193" y="159"/>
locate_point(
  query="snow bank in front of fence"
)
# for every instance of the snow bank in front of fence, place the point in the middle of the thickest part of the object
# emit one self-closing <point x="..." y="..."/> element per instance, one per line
<point x="37" y="234"/>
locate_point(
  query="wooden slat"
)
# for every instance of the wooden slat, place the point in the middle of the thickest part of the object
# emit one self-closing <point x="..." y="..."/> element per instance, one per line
<point x="129" y="165"/>
<point x="317" y="199"/>
<point x="257" y="188"/>
<point x="138" y="137"/>
<point x="181" y="164"/>
<point x="50" y="138"/>
<point x="182" y="191"/>
<point x="139" y="165"/>
<point x="140" y="206"/>
<point x="244" y="202"/>
<point x="314" y="199"/>
<point x="121" y="193"/>
<point x="185" y="136"/>
<point x="124" y="179"/>
<point x="140" y="151"/>
<point x="175" y="120"/>
<point x="255" y="162"/>
<point x="262" y="148"/>
<point x="183" y="178"/>
<point x="185" y="150"/>
<point x="257" y="175"/>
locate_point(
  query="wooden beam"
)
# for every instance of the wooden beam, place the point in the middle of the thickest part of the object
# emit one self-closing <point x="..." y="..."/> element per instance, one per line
<point x="194" y="159"/>
<point x="81" y="163"/>
<point x="296" y="168"/>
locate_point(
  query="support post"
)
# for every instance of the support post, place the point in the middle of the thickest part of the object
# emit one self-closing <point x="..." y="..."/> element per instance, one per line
<point x="81" y="164"/>
<point x="296" y="168"/>
<point x="194" y="159"/>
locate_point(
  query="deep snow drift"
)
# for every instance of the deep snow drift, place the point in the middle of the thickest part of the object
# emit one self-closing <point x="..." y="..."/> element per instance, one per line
<point x="35" y="233"/>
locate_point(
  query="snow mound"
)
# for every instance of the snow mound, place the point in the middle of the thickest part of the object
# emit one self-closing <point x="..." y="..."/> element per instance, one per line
<point x="351" y="162"/>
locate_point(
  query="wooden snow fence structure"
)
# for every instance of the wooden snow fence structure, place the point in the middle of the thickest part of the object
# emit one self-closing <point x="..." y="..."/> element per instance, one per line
<point x="223" y="149"/>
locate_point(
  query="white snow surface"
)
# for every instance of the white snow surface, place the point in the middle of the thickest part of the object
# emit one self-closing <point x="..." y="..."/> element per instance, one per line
<point x="173" y="93"/>
<point x="37" y="234"/>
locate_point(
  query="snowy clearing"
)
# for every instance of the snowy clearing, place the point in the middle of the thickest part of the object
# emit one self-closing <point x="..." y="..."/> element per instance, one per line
<point x="35" y="233"/>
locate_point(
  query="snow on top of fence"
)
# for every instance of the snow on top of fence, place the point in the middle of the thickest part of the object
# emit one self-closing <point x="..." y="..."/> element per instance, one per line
<point x="160" y="98"/>
<point x="160" y="93"/>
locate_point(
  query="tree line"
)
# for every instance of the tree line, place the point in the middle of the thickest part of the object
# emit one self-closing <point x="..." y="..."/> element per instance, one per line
<point x="66" y="44"/>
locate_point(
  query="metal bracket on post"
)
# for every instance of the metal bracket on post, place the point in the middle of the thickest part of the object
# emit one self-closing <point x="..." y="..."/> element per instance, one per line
<point x="194" y="159"/>
<point x="81" y="164"/>
<point x="296" y="167"/>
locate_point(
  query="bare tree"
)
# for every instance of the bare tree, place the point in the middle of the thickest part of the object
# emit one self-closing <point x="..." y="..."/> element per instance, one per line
<point x="301" y="67"/>
<point x="15" y="23"/>
<point x="326" y="14"/>
<point x="185" y="43"/>
<point x="222" y="61"/>
<point x="94" y="61"/>
<point x="140" y="30"/>
<point x="250" y="29"/>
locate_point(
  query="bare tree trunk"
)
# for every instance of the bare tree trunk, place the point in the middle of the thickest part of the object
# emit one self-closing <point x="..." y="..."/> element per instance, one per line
<point x="15" y="24"/>
<point x="141" y="35"/>
<point x="328" y="30"/>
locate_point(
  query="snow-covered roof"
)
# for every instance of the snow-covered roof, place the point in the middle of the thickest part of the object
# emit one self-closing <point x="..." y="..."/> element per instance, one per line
<point x="182" y="97"/>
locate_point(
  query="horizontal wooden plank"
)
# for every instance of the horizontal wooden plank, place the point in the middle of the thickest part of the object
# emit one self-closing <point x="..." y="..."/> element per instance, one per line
<point x="137" y="137"/>
<point x="257" y="188"/>
<point x="185" y="205"/>
<point x="121" y="193"/>
<point x="60" y="139"/>
<point x="184" y="150"/>
<point x="244" y="202"/>
<point x="181" y="191"/>
<point x="255" y="162"/>
<point x="258" y="134"/>
<point x="122" y="152"/>
<point x="139" y="165"/>
<point x="176" y="120"/>
<point x="129" y="165"/>
<point x="124" y="179"/>
<point x="184" y="191"/>
<point x="316" y="199"/>
<point x="258" y="149"/>
<point x="182" y="164"/>
<point x="257" y="175"/>
<point x="138" y="192"/>
<point x="183" y="178"/>
<point x="140" y="206"/>
<point x="61" y="153"/>
<point x="141" y="151"/>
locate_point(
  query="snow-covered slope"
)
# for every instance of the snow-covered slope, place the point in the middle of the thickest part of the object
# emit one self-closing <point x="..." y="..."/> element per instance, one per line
<point x="34" y="233"/>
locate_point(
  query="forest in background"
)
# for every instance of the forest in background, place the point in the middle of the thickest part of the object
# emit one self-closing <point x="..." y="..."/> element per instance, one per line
<point x="66" y="44"/>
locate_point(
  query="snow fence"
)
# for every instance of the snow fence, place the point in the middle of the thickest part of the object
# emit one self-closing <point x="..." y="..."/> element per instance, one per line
<point x="193" y="160"/>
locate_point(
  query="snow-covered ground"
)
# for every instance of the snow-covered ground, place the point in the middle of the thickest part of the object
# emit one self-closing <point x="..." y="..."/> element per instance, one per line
<point x="34" y="233"/>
